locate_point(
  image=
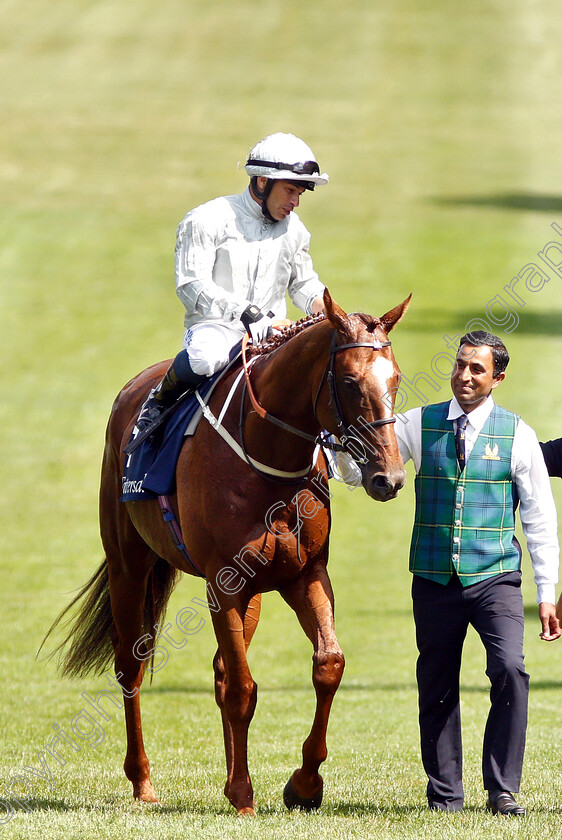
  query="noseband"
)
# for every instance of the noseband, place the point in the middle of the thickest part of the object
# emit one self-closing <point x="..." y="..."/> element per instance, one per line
<point x="349" y="443"/>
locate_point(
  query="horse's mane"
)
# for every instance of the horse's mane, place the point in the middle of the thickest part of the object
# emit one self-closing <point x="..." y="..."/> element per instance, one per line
<point x="280" y="337"/>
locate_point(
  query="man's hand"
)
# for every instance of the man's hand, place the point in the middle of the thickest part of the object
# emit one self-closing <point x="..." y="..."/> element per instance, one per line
<point x="256" y="323"/>
<point x="260" y="330"/>
<point x="551" y="629"/>
<point x="559" y="609"/>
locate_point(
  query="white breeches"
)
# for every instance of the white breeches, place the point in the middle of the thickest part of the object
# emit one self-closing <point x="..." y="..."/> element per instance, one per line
<point x="209" y="344"/>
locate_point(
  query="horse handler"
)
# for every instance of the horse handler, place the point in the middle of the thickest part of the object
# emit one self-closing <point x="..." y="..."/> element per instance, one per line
<point x="235" y="258"/>
<point x="474" y="463"/>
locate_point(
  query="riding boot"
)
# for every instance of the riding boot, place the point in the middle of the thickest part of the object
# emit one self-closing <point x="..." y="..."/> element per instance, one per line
<point x="178" y="379"/>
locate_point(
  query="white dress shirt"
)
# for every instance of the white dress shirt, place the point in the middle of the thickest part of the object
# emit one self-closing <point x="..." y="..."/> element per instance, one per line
<point x="229" y="256"/>
<point x="537" y="509"/>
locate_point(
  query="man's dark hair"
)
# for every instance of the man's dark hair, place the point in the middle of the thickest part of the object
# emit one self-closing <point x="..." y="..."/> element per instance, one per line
<point x="481" y="338"/>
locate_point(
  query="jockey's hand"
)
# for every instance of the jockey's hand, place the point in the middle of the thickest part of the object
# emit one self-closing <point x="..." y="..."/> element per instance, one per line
<point x="256" y="323"/>
<point x="260" y="330"/>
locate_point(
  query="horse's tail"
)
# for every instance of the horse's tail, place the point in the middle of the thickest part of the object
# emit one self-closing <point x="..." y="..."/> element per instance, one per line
<point x="87" y="647"/>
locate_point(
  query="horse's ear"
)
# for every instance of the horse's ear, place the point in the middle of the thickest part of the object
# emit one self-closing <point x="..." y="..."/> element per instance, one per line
<point x="335" y="314"/>
<point x="392" y="317"/>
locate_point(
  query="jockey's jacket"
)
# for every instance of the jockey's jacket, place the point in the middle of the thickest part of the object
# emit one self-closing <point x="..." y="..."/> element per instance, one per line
<point x="229" y="256"/>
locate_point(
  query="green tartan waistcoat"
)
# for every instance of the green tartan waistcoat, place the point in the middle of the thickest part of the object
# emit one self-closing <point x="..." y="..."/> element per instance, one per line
<point x="464" y="521"/>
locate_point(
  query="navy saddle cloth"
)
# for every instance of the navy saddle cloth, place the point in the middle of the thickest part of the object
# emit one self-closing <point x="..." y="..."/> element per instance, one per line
<point x="150" y="470"/>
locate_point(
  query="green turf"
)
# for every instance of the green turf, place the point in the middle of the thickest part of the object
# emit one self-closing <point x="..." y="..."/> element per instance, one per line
<point x="439" y="124"/>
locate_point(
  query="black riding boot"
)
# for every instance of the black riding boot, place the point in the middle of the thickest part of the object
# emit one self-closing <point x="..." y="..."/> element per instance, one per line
<point x="178" y="379"/>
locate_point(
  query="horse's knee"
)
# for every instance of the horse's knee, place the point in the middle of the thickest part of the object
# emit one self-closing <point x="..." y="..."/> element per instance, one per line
<point x="240" y="698"/>
<point x="327" y="671"/>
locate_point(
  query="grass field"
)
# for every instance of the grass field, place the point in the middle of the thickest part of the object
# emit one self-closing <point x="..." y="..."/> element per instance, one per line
<point x="440" y="126"/>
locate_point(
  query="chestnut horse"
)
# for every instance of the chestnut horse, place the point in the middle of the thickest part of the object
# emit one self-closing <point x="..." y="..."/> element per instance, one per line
<point x="253" y="520"/>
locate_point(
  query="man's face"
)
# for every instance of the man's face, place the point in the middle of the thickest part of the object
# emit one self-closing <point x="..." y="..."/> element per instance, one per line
<point x="473" y="378"/>
<point x="283" y="199"/>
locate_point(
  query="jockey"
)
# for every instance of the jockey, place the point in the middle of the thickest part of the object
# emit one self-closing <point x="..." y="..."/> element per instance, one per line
<point x="235" y="258"/>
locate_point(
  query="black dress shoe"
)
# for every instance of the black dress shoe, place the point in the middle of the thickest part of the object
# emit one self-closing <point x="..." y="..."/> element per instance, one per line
<point x="502" y="802"/>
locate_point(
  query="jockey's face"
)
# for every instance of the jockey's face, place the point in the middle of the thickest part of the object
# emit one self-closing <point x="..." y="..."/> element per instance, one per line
<point x="283" y="199"/>
<point x="472" y="379"/>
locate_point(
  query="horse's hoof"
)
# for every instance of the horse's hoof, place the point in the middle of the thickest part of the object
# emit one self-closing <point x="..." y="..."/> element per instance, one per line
<point x="144" y="792"/>
<point x="292" y="800"/>
<point x="246" y="812"/>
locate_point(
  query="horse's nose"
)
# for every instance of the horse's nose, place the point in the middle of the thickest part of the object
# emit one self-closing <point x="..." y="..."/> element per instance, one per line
<point x="386" y="486"/>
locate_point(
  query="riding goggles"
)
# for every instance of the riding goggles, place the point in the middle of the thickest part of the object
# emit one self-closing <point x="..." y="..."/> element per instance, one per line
<point x="307" y="167"/>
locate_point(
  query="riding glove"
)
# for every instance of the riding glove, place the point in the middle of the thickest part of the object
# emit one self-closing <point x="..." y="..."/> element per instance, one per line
<point x="257" y="324"/>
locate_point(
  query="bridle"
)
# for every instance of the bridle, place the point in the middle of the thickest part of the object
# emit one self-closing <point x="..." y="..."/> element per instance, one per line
<point x="348" y="442"/>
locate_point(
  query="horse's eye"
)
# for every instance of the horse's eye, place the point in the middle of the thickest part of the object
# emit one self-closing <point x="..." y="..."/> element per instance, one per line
<point x="351" y="383"/>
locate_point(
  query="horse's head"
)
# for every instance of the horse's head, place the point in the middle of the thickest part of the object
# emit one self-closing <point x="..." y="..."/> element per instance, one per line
<point x="363" y="379"/>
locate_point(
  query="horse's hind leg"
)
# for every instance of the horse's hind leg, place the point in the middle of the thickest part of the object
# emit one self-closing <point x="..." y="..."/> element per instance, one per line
<point x="236" y="694"/>
<point x="313" y="601"/>
<point x="251" y="619"/>
<point x="128" y="591"/>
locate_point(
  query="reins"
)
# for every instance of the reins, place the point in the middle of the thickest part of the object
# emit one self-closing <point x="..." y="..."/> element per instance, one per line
<point x="347" y="442"/>
<point x="261" y="411"/>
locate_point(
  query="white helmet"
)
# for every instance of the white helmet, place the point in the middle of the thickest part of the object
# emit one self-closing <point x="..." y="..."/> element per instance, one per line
<point x="284" y="157"/>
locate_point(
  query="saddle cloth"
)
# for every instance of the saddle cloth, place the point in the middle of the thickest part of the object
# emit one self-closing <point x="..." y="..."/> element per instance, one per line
<point x="150" y="470"/>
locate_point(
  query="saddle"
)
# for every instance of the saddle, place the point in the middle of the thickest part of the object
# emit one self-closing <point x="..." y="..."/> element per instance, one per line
<point x="150" y="469"/>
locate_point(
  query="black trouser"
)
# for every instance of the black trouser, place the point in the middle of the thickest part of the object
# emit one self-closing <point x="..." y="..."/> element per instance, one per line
<point x="442" y="614"/>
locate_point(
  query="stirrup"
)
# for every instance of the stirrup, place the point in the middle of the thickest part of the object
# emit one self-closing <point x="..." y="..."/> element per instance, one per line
<point x="149" y="430"/>
<point x="150" y="411"/>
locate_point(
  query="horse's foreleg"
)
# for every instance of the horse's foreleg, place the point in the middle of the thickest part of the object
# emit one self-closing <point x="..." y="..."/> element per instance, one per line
<point x="127" y="603"/>
<point x="236" y="694"/>
<point x="313" y="601"/>
<point x="251" y="619"/>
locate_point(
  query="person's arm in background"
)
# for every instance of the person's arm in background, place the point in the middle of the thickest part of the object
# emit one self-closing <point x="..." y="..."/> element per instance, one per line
<point x="552" y="454"/>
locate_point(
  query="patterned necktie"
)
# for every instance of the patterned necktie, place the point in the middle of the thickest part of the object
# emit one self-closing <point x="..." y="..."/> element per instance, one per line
<point x="462" y="422"/>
